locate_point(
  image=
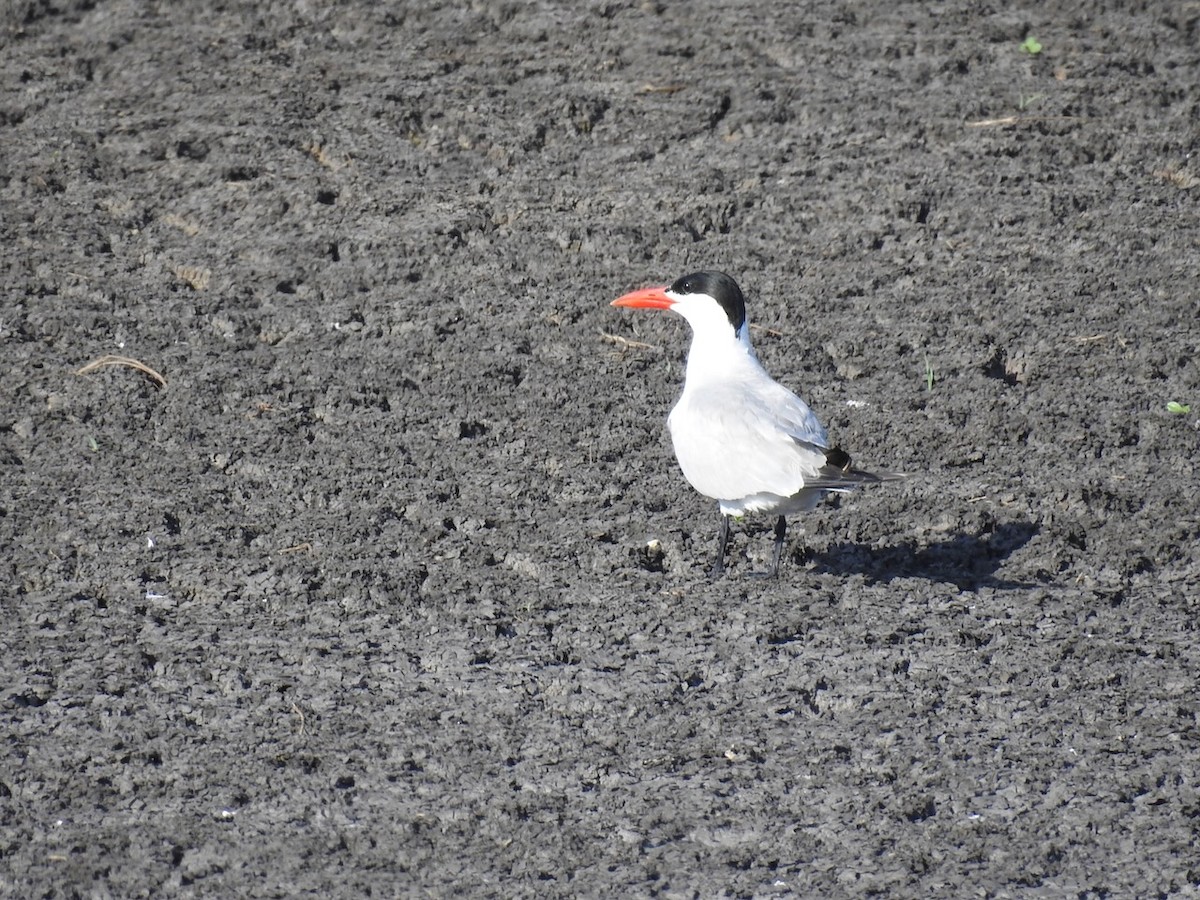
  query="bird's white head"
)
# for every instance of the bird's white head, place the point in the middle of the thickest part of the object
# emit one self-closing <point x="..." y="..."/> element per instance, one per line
<point x="712" y="303"/>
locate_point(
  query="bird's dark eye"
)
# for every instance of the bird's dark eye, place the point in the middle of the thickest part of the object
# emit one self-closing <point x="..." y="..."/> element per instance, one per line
<point x="685" y="285"/>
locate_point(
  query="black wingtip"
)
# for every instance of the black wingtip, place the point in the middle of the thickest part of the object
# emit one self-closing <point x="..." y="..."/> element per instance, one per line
<point x="839" y="459"/>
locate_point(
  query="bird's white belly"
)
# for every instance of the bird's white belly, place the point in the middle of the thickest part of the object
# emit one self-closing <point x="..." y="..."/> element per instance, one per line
<point x="748" y="464"/>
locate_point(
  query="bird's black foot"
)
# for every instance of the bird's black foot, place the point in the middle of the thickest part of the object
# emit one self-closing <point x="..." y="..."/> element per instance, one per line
<point x="780" y="536"/>
<point x="718" y="568"/>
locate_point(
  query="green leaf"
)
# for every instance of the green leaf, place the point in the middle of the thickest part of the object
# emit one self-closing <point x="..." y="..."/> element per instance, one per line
<point x="1178" y="409"/>
<point x="1032" y="46"/>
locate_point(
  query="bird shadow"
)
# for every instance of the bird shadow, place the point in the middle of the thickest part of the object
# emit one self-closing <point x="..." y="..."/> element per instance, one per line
<point x="966" y="560"/>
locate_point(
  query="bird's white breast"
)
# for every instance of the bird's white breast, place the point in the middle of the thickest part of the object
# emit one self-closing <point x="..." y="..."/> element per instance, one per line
<point x="748" y="442"/>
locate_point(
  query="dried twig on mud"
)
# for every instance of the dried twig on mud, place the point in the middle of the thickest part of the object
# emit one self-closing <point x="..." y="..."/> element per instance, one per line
<point x="1185" y="181"/>
<point x="769" y="332"/>
<point x="626" y="343"/>
<point x="298" y="712"/>
<point x="306" y="547"/>
<point x="111" y="360"/>
<point x="1016" y="120"/>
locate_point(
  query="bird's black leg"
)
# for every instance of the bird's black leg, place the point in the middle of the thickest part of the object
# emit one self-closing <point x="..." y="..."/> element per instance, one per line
<point x="780" y="534"/>
<point x="718" y="568"/>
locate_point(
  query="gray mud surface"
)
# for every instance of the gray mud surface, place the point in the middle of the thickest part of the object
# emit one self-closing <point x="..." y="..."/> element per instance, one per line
<point x="363" y="601"/>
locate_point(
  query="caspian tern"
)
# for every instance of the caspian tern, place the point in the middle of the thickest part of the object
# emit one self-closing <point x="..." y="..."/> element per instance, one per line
<point x="742" y="438"/>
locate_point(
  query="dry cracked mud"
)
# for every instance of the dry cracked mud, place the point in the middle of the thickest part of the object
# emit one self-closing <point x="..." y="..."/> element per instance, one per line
<point x="394" y="589"/>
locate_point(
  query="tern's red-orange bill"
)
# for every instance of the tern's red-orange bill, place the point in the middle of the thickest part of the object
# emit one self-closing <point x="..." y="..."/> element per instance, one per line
<point x="646" y="298"/>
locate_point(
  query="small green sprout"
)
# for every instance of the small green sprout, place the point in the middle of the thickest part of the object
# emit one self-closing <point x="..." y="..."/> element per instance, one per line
<point x="1178" y="409"/>
<point x="930" y="375"/>
<point x="1032" y="46"/>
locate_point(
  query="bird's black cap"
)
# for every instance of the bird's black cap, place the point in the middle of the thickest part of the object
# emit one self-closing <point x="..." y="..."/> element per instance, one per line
<point x="721" y="288"/>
